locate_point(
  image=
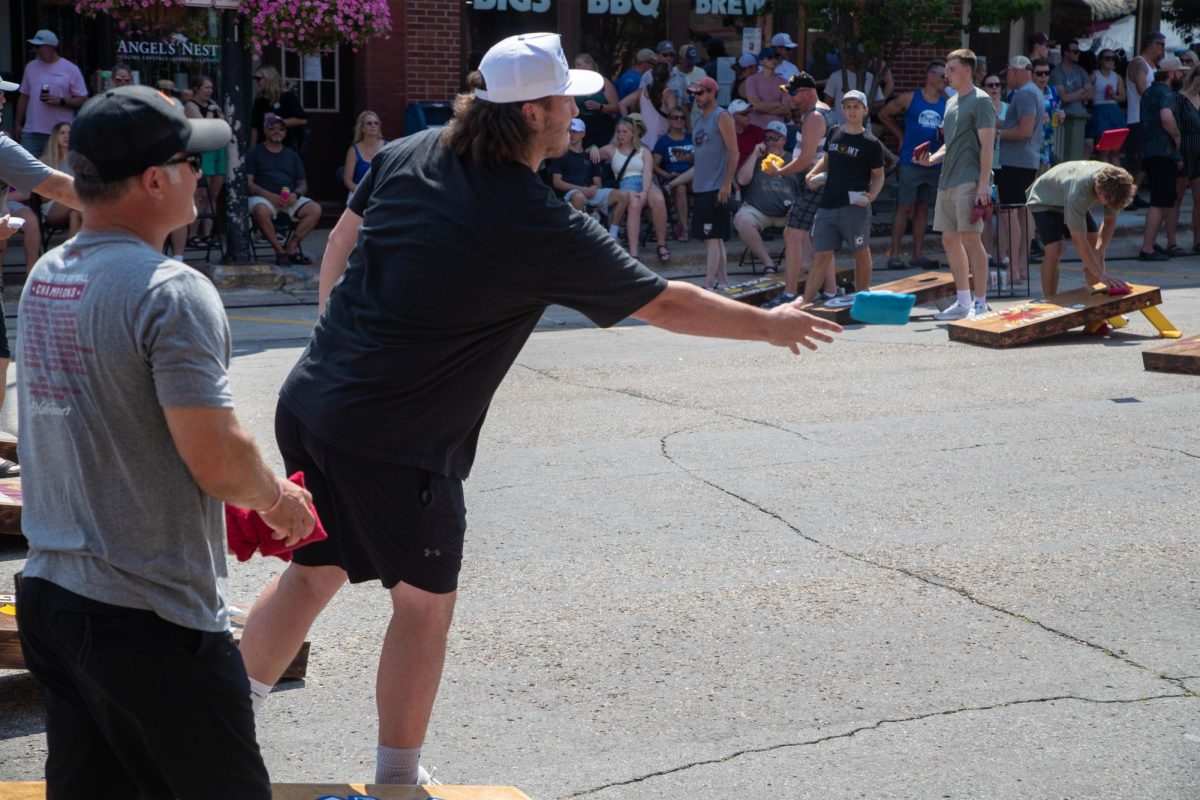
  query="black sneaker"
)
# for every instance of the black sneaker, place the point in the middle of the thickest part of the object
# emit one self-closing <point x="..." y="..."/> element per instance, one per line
<point x="780" y="299"/>
<point x="1153" y="255"/>
<point x="282" y="260"/>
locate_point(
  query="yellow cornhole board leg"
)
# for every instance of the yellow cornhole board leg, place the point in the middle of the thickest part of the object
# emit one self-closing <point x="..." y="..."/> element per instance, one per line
<point x="317" y="791"/>
<point x="1119" y="321"/>
<point x="1165" y="329"/>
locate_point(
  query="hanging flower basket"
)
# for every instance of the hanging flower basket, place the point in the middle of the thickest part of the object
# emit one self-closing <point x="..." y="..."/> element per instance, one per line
<point x="310" y="26"/>
<point x="159" y="19"/>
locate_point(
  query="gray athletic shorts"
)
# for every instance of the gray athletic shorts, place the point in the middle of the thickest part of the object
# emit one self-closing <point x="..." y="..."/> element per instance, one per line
<point x="850" y="224"/>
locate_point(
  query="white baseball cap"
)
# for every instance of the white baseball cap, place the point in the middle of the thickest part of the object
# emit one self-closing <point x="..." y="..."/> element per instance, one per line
<point x="578" y="125"/>
<point x="532" y="66"/>
<point x="782" y="40"/>
<point x="738" y="106"/>
<point x="776" y="126"/>
<point x="44" y="37"/>
<point x="8" y="86"/>
<point x="854" y="94"/>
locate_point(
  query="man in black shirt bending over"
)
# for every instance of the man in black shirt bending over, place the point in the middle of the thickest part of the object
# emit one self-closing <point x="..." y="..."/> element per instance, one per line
<point x="852" y="169"/>
<point x="455" y="249"/>
<point x="577" y="180"/>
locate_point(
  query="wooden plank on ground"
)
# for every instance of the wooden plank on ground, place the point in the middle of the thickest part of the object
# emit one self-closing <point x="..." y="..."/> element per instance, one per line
<point x="1029" y="322"/>
<point x="314" y="791"/>
<point x="1182" y="356"/>
<point x="10" y="643"/>
<point x="10" y="506"/>
<point x="8" y="446"/>
<point x="926" y="287"/>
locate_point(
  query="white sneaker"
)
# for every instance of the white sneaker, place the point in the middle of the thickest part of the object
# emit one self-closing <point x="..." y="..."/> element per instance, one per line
<point x="425" y="777"/>
<point x="956" y="311"/>
<point x="979" y="307"/>
<point x="841" y="301"/>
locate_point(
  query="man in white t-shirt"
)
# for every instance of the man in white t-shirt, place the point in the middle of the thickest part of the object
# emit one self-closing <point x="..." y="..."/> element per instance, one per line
<point x="834" y="90"/>
<point x="786" y="48"/>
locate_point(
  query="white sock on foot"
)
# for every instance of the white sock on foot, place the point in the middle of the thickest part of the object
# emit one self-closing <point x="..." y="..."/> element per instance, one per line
<point x="964" y="299"/>
<point x="614" y="231"/>
<point x="258" y="693"/>
<point x="397" y="766"/>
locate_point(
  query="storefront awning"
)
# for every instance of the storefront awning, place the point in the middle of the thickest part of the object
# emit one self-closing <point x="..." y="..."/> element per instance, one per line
<point x="1104" y="10"/>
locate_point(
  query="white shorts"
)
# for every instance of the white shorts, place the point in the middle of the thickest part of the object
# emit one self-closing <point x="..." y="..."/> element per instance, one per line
<point x="262" y="201"/>
<point x="599" y="200"/>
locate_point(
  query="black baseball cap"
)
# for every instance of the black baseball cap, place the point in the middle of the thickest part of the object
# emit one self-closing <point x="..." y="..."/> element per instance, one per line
<point x="801" y="80"/>
<point x="125" y="130"/>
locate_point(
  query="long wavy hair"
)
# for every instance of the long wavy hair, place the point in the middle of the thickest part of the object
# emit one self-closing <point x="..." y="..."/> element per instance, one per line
<point x="53" y="156"/>
<point x="489" y="134"/>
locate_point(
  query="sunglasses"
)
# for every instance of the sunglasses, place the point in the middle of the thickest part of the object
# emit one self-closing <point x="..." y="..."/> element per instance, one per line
<point x="1075" y="52"/>
<point x="191" y="159"/>
<point x="773" y="137"/>
<point x="699" y="92"/>
<point x="678" y="117"/>
<point x="992" y="85"/>
<point x="1108" y="58"/>
<point x="1041" y="73"/>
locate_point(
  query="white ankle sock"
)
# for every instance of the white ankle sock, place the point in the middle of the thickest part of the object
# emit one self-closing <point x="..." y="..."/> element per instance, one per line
<point x="614" y="231"/>
<point x="397" y="766"/>
<point x="981" y="299"/>
<point x="964" y="298"/>
<point x="258" y="693"/>
<point x="177" y="257"/>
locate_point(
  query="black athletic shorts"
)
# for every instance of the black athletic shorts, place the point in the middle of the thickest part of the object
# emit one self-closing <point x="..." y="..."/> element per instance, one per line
<point x="1013" y="183"/>
<point x="1162" y="175"/>
<point x="137" y="706"/>
<point x="386" y="522"/>
<point x="1052" y="226"/>
<point x="710" y="219"/>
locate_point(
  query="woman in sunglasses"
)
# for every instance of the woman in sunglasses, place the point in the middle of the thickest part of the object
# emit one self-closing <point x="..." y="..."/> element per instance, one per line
<point x="1106" y="106"/>
<point x="1055" y="113"/>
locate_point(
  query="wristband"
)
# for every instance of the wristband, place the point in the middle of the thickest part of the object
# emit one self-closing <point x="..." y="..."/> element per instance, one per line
<point x="278" y="501"/>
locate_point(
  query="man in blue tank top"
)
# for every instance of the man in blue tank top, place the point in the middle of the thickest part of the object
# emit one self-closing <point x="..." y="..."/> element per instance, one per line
<point x="922" y="110"/>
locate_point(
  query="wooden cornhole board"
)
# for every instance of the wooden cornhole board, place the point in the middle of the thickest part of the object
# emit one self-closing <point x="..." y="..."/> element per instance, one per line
<point x="10" y="506"/>
<point x="10" y="643"/>
<point x="1029" y="322"/>
<point x="1182" y="357"/>
<point x="328" y="791"/>
<point x="768" y="287"/>
<point x="926" y="287"/>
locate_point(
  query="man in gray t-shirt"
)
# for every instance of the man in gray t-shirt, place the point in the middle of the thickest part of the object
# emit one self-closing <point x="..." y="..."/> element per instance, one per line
<point x="129" y="444"/>
<point x="1020" y="156"/>
<point x="965" y="184"/>
<point x="1074" y="86"/>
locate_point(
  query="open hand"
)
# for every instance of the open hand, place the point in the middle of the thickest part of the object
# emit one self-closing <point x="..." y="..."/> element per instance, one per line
<point x="793" y="328"/>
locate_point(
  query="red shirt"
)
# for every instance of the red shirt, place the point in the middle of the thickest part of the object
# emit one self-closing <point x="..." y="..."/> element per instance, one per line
<point x="747" y="139"/>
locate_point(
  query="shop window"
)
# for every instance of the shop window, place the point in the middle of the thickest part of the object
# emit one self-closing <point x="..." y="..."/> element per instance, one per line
<point x="314" y="78"/>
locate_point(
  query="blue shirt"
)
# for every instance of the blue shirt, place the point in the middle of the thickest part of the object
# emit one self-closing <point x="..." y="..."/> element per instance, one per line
<point x="1159" y="143"/>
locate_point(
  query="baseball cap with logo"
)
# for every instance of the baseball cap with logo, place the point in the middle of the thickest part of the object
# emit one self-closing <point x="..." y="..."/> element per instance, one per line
<point x="746" y="60"/>
<point x="44" y="37"/>
<point x="1020" y="62"/>
<point x="702" y="84"/>
<point x="578" y="126"/>
<point x="691" y="54"/>
<point x="783" y="40"/>
<point x="644" y="55"/>
<point x="271" y="119"/>
<point x="8" y="86"/>
<point x="664" y="47"/>
<point x="854" y="94"/>
<point x="801" y="80"/>
<point x="532" y="66"/>
<point x="101" y="131"/>
<point x="777" y="127"/>
<point x="739" y="106"/>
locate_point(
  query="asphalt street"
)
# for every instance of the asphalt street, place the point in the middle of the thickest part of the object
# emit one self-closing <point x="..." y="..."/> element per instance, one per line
<point x="899" y="567"/>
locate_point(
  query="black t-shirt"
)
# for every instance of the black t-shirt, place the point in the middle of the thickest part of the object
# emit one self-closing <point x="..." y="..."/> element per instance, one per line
<point x="287" y="106"/>
<point x="273" y="171"/>
<point x="454" y="265"/>
<point x="576" y="169"/>
<point x="850" y="157"/>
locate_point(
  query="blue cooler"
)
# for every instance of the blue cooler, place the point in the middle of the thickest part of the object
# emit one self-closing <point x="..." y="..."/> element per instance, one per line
<point x="882" y="308"/>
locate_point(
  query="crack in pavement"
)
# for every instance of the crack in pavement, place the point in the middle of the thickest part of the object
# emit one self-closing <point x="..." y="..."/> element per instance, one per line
<point x="670" y="404"/>
<point x="962" y="592"/>
<point x="866" y="728"/>
<point x="1172" y="450"/>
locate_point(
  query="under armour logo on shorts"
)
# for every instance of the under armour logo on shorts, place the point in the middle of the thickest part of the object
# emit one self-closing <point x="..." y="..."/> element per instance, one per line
<point x="429" y="553"/>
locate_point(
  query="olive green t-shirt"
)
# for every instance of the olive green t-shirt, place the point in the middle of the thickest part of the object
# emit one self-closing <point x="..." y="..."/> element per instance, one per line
<point x="1069" y="187"/>
<point x="966" y="115"/>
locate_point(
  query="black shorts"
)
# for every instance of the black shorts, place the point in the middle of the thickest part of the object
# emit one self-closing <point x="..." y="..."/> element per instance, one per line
<point x="1013" y="183"/>
<point x="1162" y="175"/>
<point x="710" y="219"/>
<point x="5" y="352"/>
<point x="386" y="522"/>
<point x="137" y="706"/>
<point x="1134" y="142"/>
<point x="1052" y="226"/>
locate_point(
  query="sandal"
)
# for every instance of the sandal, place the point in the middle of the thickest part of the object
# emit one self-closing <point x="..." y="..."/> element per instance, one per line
<point x="770" y="270"/>
<point x="1175" y="251"/>
<point x="9" y="469"/>
<point x="664" y="255"/>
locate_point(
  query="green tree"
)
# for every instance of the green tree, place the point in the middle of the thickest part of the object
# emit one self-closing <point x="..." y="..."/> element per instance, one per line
<point x="1184" y="15"/>
<point x="882" y="29"/>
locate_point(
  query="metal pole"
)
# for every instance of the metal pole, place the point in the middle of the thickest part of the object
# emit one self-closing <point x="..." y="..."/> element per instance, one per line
<point x="235" y="75"/>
